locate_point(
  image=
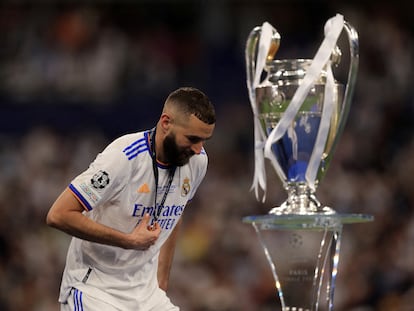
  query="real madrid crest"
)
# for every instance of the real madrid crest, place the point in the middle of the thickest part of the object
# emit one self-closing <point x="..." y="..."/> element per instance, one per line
<point x="185" y="188"/>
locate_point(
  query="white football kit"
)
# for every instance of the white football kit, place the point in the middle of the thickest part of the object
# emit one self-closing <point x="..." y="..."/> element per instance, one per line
<point x="117" y="190"/>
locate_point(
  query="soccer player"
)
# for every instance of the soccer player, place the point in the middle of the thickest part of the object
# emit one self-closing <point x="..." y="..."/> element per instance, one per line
<point x="125" y="209"/>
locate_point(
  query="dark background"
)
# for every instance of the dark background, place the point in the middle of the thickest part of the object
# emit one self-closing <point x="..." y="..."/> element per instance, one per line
<point x="75" y="75"/>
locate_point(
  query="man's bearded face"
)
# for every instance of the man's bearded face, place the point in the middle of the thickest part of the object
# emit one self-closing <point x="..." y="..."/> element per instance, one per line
<point x="176" y="155"/>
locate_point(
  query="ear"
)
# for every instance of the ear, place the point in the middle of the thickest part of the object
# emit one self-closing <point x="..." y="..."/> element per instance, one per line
<point x="165" y="122"/>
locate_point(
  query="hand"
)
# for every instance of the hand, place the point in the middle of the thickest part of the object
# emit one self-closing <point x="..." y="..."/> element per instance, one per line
<point x="144" y="235"/>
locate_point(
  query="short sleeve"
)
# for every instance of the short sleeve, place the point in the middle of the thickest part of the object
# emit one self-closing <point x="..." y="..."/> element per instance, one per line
<point x="103" y="180"/>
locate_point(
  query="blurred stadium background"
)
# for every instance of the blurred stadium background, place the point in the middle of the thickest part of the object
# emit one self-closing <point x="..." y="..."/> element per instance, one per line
<point x="76" y="74"/>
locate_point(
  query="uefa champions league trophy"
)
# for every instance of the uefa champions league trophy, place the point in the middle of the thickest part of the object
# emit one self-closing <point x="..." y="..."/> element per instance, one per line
<point x="299" y="113"/>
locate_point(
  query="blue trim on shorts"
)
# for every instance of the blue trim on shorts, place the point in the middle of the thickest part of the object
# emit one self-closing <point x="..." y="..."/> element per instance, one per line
<point x="77" y="300"/>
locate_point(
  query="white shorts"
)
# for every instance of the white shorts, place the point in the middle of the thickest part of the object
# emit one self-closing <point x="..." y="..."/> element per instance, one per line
<point x="80" y="301"/>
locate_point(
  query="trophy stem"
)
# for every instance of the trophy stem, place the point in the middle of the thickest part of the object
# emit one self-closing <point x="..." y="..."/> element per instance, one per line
<point x="301" y="201"/>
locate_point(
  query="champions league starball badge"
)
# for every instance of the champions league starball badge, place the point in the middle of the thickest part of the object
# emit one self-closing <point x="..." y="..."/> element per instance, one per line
<point x="100" y="180"/>
<point x="299" y="111"/>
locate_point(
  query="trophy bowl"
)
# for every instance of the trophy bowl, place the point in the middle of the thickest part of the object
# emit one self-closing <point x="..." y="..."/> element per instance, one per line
<point x="294" y="149"/>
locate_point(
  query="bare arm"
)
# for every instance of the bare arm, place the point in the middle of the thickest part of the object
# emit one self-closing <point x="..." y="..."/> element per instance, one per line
<point x="66" y="215"/>
<point x="166" y="257"/>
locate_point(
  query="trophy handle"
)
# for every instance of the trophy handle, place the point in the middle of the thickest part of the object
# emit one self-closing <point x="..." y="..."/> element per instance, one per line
<point x="261" y="46"/>
<point x="251" y="51"/>
<point x="352" y="74"/>
<point x="255" y="57"/>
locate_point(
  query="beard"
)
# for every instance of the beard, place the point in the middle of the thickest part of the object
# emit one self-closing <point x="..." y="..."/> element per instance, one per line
<point x="174" y="154"/>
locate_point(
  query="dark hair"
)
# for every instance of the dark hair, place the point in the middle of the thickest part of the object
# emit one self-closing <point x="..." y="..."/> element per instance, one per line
<point x="192" y="101"/>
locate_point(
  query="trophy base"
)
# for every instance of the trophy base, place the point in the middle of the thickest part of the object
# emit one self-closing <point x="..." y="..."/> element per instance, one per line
<point x="311" y="207"/>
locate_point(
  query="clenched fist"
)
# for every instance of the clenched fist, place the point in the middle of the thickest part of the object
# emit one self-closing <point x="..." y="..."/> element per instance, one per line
<point x="144" y="235"/>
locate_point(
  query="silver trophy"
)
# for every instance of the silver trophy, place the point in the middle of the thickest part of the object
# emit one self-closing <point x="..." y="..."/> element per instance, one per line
<point x="299" y="112"/>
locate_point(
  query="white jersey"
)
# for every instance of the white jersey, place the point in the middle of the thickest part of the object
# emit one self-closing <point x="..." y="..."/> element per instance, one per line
<point x="117" y="190"/>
